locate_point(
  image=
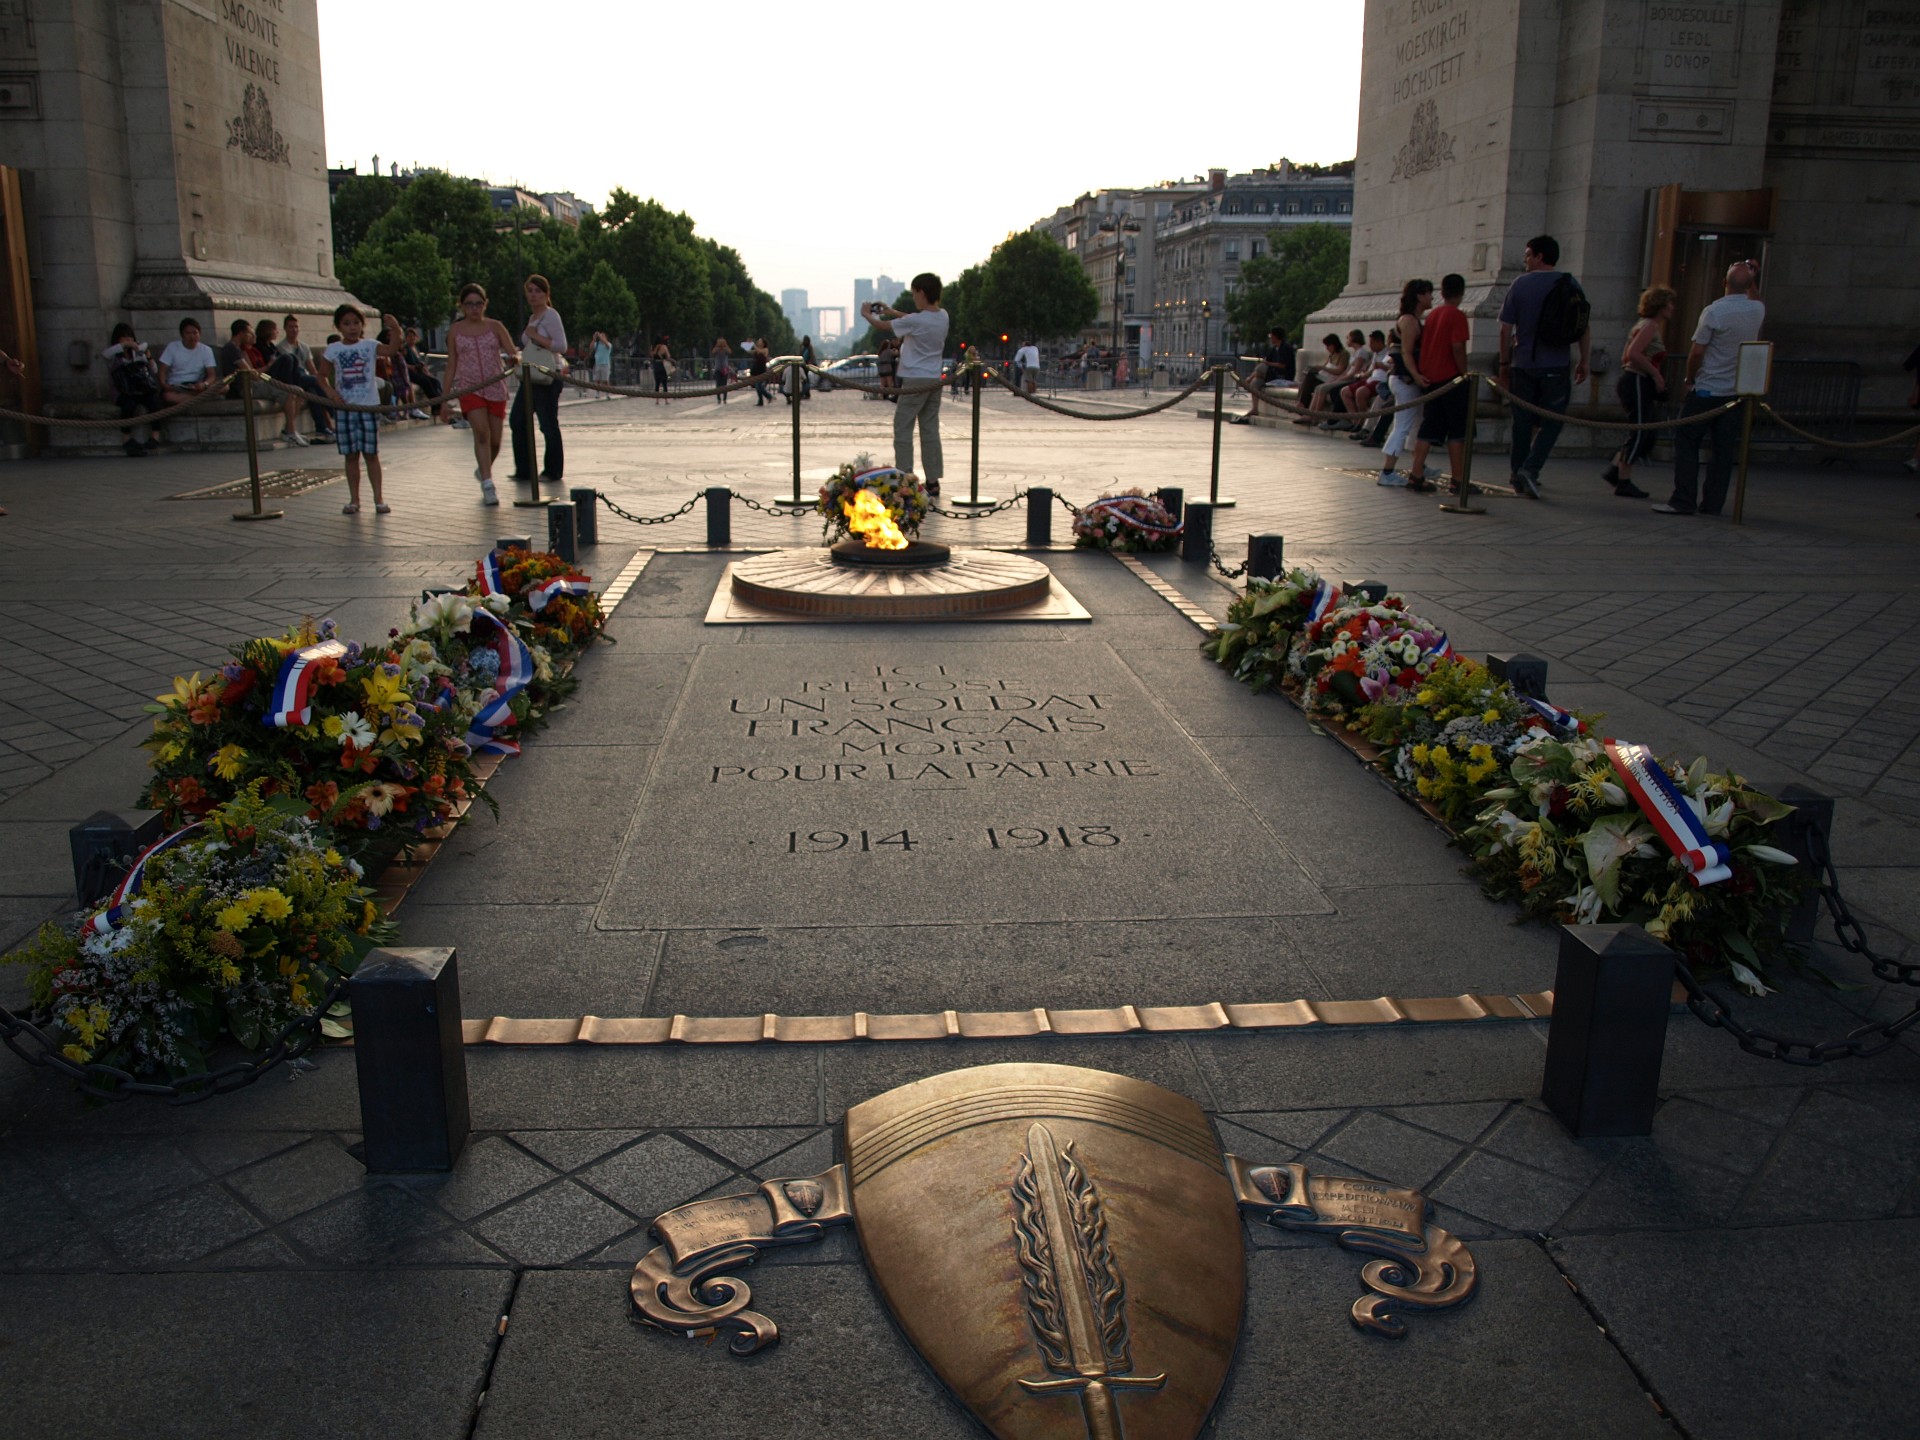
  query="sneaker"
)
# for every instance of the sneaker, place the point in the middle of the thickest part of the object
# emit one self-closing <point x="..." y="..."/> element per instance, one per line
<point x="1393" y="479"/>
<point x="1526" y="485"/>
<point x="488" y="495"/>
<point x="293" y="437"/>
<point x="350" y="509"/>
<point x="459" y="423"/>
<point x="1612" y="475"/>
<point x="133" y="448"/>
<point x="1627" y="490"/>
<point x="1672" y="509"/>
<point x="418" y="415"/>
<point x="383" y="508"/>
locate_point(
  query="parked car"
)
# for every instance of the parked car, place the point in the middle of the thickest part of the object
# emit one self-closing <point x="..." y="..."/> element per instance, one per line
<point x="861" y="368"/>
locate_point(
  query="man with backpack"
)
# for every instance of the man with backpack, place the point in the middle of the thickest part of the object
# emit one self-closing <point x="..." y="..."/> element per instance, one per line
<point x="1544" y="317"/>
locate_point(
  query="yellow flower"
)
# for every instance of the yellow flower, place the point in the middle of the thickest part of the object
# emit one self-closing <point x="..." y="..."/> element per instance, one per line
<point x="235" y="917"/>
<point x="171" y="751"/>
<point x="1420" y="754"/>
<point x="228" y="761"/>
<point x="1425" y="697"/>
<point x="229" y="974"/>
<point x="333" y="725"/>
<point x="1491" y="716"/>
<point x="76" y="1053"/>
<point x="332" y="857"/>
<point x="383" y="691"/>
<point x="186" y="690"/>
<point x="1481" y="751"/>
<point x="271" y="903"/>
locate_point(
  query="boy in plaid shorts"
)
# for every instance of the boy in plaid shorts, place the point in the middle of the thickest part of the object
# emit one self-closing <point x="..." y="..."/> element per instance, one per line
<point x="347" y="369"/>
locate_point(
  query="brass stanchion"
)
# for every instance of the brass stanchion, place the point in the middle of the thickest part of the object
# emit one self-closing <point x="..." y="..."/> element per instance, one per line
<point x="253" y="453"/>
<point x="797" y="380"/>
<point x="1746" y="441"/>
<point x="538" y="502"/>
<point x="975" y="500"/>
<point x="1214" y="498"/>
<point x="1462" y="502"/>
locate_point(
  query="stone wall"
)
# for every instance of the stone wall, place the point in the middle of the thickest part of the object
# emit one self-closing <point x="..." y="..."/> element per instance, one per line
<point x="1484" y="122"/>
<point x="174" y="152"/>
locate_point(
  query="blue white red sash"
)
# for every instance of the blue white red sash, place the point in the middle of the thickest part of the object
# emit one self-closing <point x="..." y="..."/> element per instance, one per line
<point x="573" y="586"/>
<point x="115" y="913"/>
<point x="876" y="470"/>
<point x="1553" y="714"/>
<point x="1662" y="803"/>
<point x="516" y="669"/>
<point x="1122" y="507"/>
<point x="1441" y="649"/>
<point x="292" y="700"/>
<point x="1326" y="595"/>
<point x="487" y="572"/>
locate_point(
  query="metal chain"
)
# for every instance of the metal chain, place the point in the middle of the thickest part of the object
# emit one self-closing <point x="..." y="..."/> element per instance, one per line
<point x="110" y="1082"/>
<point x="624" y="514"/>
<point x="1867" y="1040"/>
<point x="1214" y="555"/>
<point x="1071" y="508"/>
<point x="982" y="513"/>
<point x="790" y="509"/>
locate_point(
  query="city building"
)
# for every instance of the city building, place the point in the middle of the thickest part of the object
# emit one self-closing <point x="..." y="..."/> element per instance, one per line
<point x="565" y="206"/>
<point x="1202" y="239"/>
<point x="1162" y="259"/>
<point x="793" y="304"/>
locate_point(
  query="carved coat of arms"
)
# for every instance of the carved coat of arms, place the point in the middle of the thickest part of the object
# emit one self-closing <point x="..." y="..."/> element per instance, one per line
<point x="1428" y="147"/>
<point x="1062" y="1246"/>
<point x="252" y="132"/>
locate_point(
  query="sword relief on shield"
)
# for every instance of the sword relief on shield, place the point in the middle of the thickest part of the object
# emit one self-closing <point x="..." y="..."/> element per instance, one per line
<point x="1076" y="1297"/>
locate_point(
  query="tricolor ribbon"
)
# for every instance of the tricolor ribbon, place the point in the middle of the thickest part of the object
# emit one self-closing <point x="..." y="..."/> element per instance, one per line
<point x="1120" y="507"/>
<point x="1326" y="595"/>
<point x="877" y="470"/>
<point x="516" y="669"/>
<point x="1553" y="714"/>
<point x="115" y="913"/>
<point x="292" y="700"/>
<point x="1441" y="649"/>
<point x="487" y="572"/>
<point x="1672" y="814"/>
<point x="574" y="586"/>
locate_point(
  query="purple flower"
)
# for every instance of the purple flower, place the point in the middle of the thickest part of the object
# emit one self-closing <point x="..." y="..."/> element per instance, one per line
<point x="354" y="650"/>
<point x="328" y="629"/>
<point x="390" y="670"/>
<point x="232" y="671"/>
<point x="373" y="822"/>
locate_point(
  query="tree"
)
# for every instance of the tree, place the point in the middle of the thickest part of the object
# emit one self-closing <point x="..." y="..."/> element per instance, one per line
<point x="605" y="302"/>
<point x="356" y="205"/>
<point x="961" y="301"/>
<point x="406" y="276"/>
<point x="1303" y="269"/>
<point x="1031" y="285"/>
<point x="457" y="214"/>
<point x="653" y="249"/>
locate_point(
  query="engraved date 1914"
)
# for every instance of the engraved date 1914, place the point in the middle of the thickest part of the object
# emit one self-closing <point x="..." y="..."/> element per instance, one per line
<point x="1011" y="837"/>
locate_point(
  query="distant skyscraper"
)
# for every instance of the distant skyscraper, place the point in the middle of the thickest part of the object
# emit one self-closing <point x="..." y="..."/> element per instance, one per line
<point x="793" y="304"/>
<point x="863" y="291"/>
<point x="886" y="289"/>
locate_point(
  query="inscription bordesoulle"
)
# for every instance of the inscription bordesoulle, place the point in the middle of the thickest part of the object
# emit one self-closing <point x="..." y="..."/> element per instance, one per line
<point x="928" y="723"/>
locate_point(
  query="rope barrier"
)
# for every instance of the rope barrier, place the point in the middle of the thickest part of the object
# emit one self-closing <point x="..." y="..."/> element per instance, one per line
<point x="394" y="408"/>
<point x="1261" y="392"/>
<point x="1898" y="438"/>
<point x="206" y="397"/>
<point x="1598" y="424"/>
<point x="1059" y="409"/>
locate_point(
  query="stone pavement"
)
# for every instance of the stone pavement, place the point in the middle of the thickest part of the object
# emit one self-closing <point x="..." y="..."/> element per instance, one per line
<point x="1703" y="1282"/>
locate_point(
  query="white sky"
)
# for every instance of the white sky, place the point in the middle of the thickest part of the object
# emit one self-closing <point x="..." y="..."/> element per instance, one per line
<point x="913" y="155"/>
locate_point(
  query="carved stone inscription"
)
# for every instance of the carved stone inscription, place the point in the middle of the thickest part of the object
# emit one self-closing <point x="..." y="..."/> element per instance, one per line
<point x="1887" y="68"/>
<point x="1034" y="781"/>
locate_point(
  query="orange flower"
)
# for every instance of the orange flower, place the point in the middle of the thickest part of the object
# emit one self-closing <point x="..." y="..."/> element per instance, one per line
<point x="205" y="710"/>
<point x="329" y="671"/>
<point x="323" y="796"/>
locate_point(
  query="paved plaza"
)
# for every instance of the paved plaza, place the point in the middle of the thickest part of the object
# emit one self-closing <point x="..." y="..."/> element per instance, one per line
<point x="656" y="855"/>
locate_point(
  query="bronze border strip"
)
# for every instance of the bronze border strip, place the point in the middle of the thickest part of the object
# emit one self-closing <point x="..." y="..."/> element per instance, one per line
<point x="397" y="880"/>
<point x="1006" y="1024"/>
<point x="1166" y="592"/>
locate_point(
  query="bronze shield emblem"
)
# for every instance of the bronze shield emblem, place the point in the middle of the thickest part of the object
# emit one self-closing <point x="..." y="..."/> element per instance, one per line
<point x="1062" y="1246"/>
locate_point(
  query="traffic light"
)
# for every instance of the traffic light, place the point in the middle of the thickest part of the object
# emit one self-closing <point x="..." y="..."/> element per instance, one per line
<point x="1003" y="339"/>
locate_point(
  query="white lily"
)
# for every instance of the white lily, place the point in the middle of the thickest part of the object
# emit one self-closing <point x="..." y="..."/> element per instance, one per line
<point x="1770" y="855"/>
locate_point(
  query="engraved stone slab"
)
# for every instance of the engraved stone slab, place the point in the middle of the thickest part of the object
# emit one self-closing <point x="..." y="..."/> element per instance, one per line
<point x="830" y="784"/>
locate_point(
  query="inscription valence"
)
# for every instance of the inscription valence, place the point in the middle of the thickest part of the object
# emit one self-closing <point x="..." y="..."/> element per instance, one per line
<point x="1428" y="147"/>
<point x="252" y="132"/>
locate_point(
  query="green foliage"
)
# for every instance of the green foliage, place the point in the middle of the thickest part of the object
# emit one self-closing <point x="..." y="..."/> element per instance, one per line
<point x="1031" y="285"/>
<point x="961" y="298"/>
<point x="455" y="213"/>
<point x="605" y="303"/>
<point x="356" y="205"/>
<point x="1304" y="268"/>
<point x="405" y="275"/>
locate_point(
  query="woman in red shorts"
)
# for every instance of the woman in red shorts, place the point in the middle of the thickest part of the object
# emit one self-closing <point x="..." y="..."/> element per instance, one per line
<point x="475" y="345"/>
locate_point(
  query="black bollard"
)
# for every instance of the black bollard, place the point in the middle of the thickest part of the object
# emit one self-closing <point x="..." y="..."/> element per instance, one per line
<point x="105" y="845"/>
<point x="513" y="542"/>
<point x="1196" y="542"/>
<point x="1039" y="515"/>
<point x="1173" y="498"/>
<point x="1805" y="834"/>
<point x="1525" y="673"/>
<point x="1373" y="591"/>
<point x="411" y="1059"/>
<point x="719" y="515"/>
<point x="586" y="515"/>
<point x="1266" y="557"/>
<point x="562" y="538"/>
<point x="1611" y="995"/>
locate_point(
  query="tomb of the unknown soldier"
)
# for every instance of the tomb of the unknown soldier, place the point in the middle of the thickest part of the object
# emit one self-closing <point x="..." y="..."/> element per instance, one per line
<point x="595" y="841"/>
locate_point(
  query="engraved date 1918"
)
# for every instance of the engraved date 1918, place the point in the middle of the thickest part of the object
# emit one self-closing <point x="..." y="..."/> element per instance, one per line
<point x="1011" y="837"/>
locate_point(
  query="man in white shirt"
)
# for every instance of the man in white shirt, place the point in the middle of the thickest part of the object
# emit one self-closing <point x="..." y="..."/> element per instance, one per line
<point x="1725" y="325"/>
<point x="923" y="339"/>
<point x="187" y="367"/>
<point x="1026" y="366"/>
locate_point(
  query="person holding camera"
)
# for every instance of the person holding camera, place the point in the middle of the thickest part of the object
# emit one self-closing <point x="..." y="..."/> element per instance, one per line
<point x="923" y="340"/>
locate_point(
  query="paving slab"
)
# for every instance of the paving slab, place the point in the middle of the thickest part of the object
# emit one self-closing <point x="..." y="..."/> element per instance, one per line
<point x="249" y="1356"/>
